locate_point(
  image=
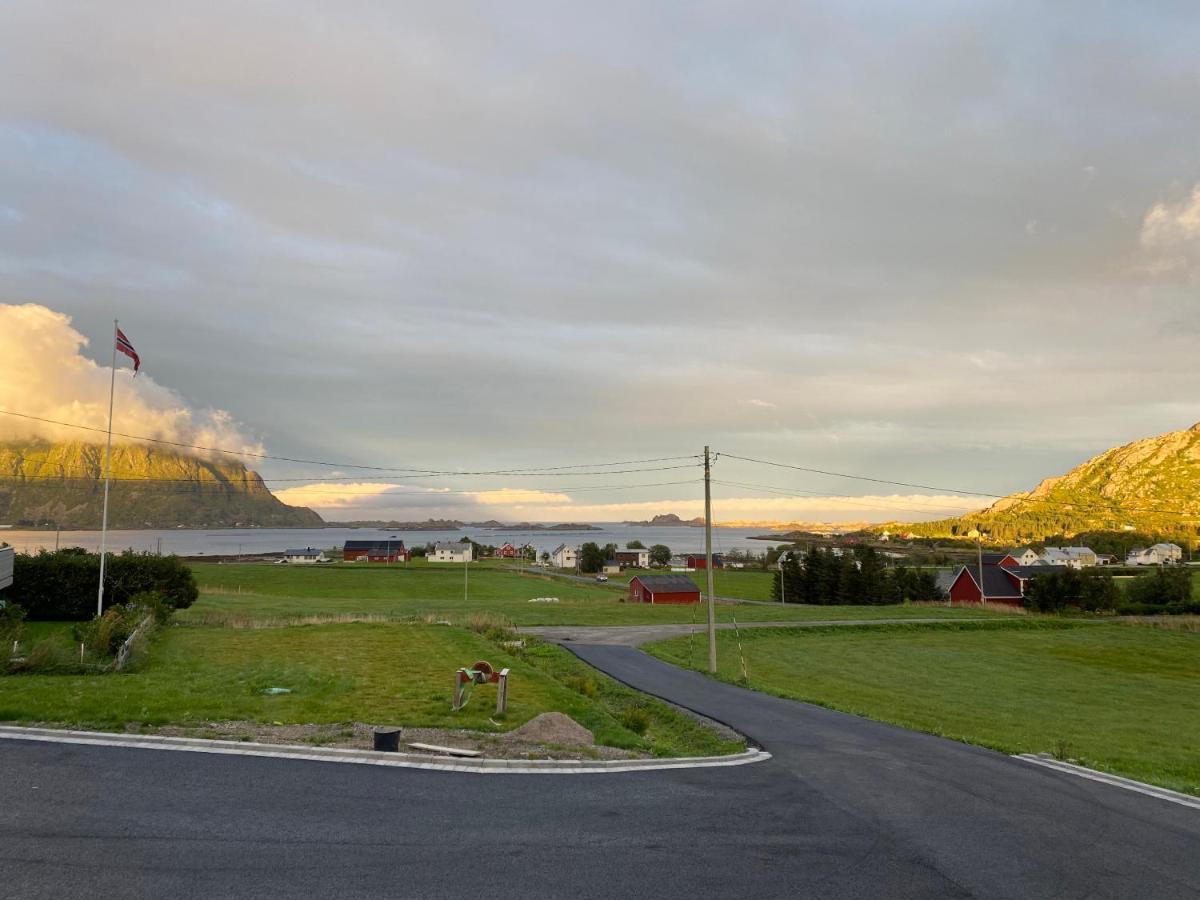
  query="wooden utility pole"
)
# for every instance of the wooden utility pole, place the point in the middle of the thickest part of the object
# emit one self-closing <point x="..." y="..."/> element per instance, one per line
<point x="708" y="564"/>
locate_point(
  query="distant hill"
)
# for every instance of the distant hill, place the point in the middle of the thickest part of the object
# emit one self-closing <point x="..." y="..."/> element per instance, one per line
<point x="669" y="519"/>
<point x="45" y="484"/>
<point x="1151" y="486"/>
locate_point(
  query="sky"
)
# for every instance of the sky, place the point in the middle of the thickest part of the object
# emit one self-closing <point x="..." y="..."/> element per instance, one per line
<point x="951" y="245"/>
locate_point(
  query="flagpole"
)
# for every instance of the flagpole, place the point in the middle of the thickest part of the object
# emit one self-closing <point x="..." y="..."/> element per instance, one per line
<point x="112" y="386"/>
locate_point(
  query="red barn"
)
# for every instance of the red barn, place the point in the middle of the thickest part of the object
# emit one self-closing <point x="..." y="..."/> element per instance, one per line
<point x="375" y="551"/>
<point x="508" y="551"/>
<point x="1001" y="583"/>
<point x="700" y="561"/>
<point x="663" y="589"/>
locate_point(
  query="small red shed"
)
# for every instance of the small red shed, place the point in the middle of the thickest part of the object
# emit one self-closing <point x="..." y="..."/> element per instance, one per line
<point x="663" y="589"/>
<point x="700" y="561"/>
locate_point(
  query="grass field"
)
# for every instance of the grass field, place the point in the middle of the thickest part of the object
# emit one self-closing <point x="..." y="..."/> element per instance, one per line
<point x="742" y="584"/>
<point x="264" y="591"/>
<point x="380" y="674"/>
<point x="1116" y="697"/>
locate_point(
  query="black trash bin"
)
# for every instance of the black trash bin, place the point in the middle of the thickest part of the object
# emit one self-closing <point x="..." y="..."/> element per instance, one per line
<point x="387" y="740"/>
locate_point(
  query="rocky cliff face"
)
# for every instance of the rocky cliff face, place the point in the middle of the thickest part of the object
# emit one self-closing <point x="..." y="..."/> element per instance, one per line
<point x="63" y="484"/>
<point x="1151" y="485"/>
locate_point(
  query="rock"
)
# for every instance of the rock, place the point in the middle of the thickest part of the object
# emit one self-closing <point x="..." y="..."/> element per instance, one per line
<point x="551" y="728"/>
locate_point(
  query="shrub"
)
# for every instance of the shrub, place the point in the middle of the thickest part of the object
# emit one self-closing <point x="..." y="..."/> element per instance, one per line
<point x="636" y="719"/>
<point x="48" y="656"/>
<point x="1166" y="587"/>
<point x="11" y="616"/>
<point x="62" y="585"/>
<point x="582" y="685"/>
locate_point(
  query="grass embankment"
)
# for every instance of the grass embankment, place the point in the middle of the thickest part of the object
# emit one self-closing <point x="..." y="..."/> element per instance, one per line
<point x="256" y="592"/>
<point x="1119" y="698"/>
<point x="381" y="674"/>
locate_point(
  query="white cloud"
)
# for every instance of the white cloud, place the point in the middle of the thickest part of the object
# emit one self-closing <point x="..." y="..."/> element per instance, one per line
<point x="1171" y="234"/>
<point x="333" y="495"/>
<point x="518" y="497"/>
<point x="44" y="373"/>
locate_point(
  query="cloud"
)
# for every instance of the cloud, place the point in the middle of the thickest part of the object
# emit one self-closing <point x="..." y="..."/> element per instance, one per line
<point x="518" y="497"/>
<point x="1170" y="234"/>
<point x="334" y="495"/>
<point x="44" y="373"/>
<point x="763" y="404"/>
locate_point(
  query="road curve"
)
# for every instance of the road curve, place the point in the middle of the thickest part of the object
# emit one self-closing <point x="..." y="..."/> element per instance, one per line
<point x="847" y="808"/>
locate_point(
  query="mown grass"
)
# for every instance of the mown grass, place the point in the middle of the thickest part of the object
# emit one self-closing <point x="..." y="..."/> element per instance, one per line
<point x="1122" y="699"/>
<point x="257" y="591"/>
<point x="380" y="674"/>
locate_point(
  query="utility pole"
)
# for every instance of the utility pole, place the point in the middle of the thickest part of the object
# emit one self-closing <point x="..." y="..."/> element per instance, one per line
<point x="979" y="547"/>
<point x="466" y="573"/>
<point x="708" y="565"/>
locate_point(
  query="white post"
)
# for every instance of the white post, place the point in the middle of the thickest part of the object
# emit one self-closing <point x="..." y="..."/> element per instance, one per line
<point x="112" y="386"/>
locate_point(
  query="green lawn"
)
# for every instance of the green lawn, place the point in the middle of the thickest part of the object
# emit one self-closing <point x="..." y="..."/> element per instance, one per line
<point x="1119" y="698"/>
<point x="380" y="674"/>
<point x="264" y="591"/>
<point x="741" y="584"/>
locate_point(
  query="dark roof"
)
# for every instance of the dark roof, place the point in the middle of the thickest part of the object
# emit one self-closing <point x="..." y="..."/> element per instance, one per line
<point x="307" y="551"/>
<point x="667" y="584"/>
<point x="1028" y="572"/>
<point x="381" y="546"/>
<point x="993" y="559"/>
<point x="700" y="555"/>
<point x="995" y="582"/>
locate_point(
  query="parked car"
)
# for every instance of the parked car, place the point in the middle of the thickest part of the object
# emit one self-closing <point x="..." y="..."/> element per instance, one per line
<point x="602" y="578"/>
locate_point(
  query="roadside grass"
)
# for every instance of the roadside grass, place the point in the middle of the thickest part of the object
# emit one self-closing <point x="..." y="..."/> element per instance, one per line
<point x="741" y="584"/>
<point x="383" y="674"/>
<point x="245" y="593"/>
<point x="1121" y="699"/>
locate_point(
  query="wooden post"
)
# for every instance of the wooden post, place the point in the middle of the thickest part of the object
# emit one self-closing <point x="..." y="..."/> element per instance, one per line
<point x="502" y="692"/>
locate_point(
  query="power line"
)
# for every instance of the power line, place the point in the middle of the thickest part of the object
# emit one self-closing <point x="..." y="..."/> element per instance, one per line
<point x="340" y="465"/>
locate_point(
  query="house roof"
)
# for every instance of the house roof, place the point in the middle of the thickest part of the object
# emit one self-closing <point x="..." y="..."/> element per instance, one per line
<point x="995" y="582"/>
<point x="667" y="584"/>
<point x="994" y="559"/>
<point x="451" y="546"/>
<point x="559" y="549"/>
<point x="385" y="546"/>
<point x="1166" y="547"/>
<point x="307" y="551"/>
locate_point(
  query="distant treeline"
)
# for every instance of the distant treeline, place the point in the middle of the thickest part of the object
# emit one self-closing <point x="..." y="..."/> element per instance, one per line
<point x="857" y="578"/>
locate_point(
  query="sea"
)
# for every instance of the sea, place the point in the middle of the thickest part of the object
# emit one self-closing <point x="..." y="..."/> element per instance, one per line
<point x="253" y="541"/>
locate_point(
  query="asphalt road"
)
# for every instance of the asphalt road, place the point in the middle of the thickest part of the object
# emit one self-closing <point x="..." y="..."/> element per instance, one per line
<point x="847" y="808"/>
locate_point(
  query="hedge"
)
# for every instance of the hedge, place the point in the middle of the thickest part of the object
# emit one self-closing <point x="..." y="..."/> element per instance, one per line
<point x="62" y="585"/>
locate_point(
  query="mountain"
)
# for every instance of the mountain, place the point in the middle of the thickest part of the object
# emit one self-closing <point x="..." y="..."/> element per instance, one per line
<point x="669" y="519"/>
<point x="1151" y="486"/>
<point x="42" y="483"/>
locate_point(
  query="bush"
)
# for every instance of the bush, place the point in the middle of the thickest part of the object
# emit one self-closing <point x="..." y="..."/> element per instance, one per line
<point x="11" y="616"/>
<point x="636" y="719"/>
<point x="582" y="685"/>
<point x="62" y="585"/>
<point x="1090" y="590"/>
<point x="1166" y="587"/>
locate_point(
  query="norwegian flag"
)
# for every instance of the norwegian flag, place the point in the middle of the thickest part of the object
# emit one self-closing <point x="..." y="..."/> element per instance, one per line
<point x="127" y="348"/>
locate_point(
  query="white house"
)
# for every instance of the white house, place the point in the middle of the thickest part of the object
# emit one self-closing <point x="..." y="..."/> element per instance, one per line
<point x="305" y="557"/>
<point x="1158" y="555"/>
<point x="450" y="553"/>
<point x="564" y="557"/>
<point x="6" y="566"/>
<point x="1069" y="557"/>
<point x="1025" y="557"/>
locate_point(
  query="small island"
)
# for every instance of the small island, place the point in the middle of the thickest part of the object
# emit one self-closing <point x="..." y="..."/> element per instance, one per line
<point x="668" y="520"/>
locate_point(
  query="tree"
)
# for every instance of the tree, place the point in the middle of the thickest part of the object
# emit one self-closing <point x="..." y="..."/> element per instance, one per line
<point x="660" y="554"/>
<point x="635" y="545"/>
<point x="591" y="557"/>
<point x="546" y="557"/>
<point x="1163" y="588"/>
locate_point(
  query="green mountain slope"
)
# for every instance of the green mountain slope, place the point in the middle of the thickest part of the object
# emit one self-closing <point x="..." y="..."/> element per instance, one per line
<point x="1151" y="486"/>
<point x="42" y="483"/>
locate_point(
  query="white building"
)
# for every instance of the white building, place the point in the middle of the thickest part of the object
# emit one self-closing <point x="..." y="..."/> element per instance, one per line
<point x="1070" y="557"/>
<point x="564" y="557"/>
<point x="1158" y="555"/>
<point x="451" y="553"/>
<point x="6" y="566"/>
<point x="1025" y="556"/>
<point x="306" y="557"/>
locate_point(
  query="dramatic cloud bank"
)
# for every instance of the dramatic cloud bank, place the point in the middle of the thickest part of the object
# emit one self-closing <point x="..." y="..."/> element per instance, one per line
<point x="44" y="373"/>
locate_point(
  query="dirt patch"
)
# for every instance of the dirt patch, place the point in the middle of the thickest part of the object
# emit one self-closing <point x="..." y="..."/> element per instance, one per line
<point x="552" y="728"/>
<point x="553" y="740"/>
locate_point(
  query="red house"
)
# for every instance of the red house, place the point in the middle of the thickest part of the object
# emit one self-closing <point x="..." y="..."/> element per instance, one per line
<point x="375" y="551"/>
<point x="1000" y="583"/>
<point x="663" y="589"/>
<point x="699" y="561"/>
<point x="508" y="551"/>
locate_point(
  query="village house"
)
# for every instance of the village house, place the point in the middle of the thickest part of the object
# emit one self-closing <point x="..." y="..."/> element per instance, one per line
<point x="994" y="583"/>
<point x="564" y="557"/>
<point x="378" y="551"/>
<point x="1026" y="556"/>
<point x="451" y="552"/>
<point x="508" y="551"/>
<point x="306" y="557"/>
<point x="1158" y="555"/>
<point x="637" y="559"/>
<point x="698" y="561"/>
<point x="610" y="567"/>
<point x="1069" y="557"/>
<point x="663" y="589"/>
